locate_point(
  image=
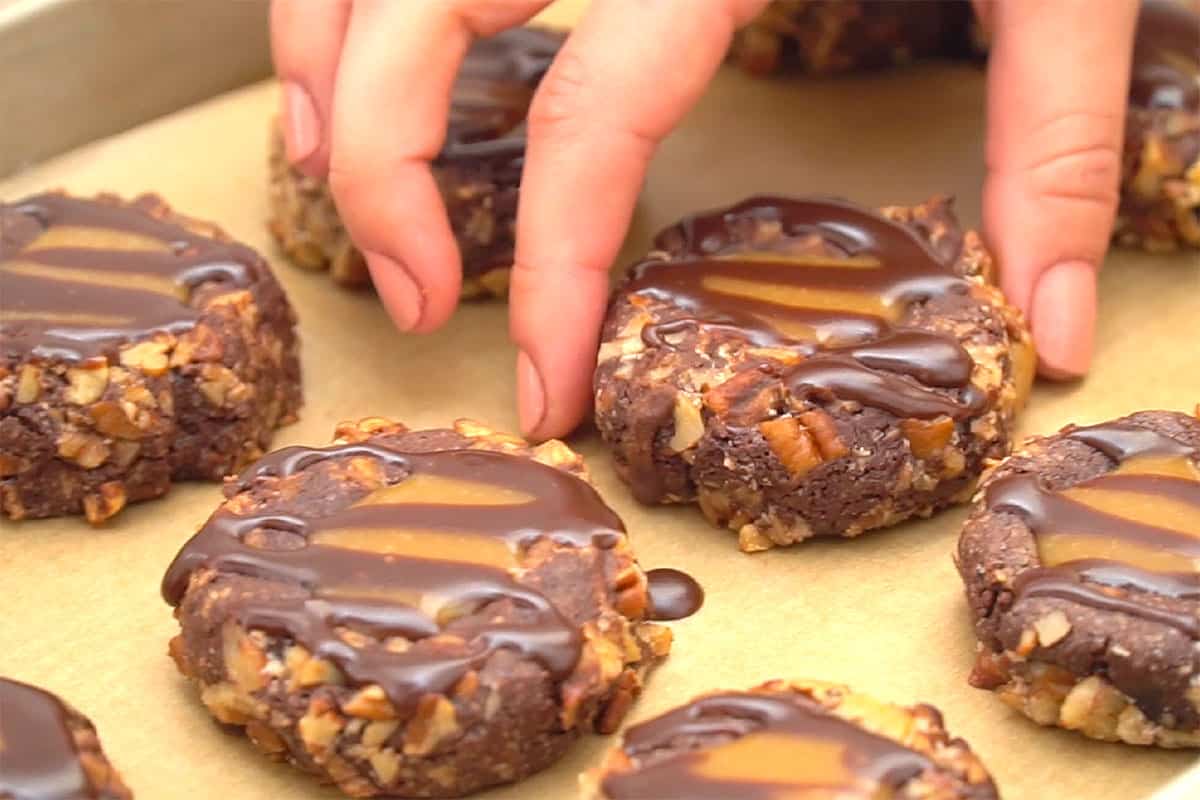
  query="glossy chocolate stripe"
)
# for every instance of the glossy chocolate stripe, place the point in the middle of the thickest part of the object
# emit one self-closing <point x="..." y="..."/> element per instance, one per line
<point x="759" y="747"/>
<point x="843" y="311"/>
<point x="81" y="277"/>
<point x="410" y="584"/>
<point x="1117" y="540"/>
<point x="38" y="758"/>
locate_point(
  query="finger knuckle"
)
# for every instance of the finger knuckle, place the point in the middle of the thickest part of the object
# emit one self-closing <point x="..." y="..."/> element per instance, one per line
<point x="1077" y="159"/>
<point x="561" y="98"/>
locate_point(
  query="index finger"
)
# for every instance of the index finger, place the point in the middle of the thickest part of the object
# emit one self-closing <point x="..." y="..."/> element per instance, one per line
<point x="391" y="105"/>
<point x="623" y="80"/>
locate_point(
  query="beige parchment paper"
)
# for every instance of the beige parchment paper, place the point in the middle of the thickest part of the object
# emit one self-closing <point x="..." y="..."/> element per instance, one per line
<point x="80" y="611"/>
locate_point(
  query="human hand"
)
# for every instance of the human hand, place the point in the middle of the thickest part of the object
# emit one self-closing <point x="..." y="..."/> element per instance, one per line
<point x="1057" y="89"/>
<point x="366" y="98"/>
<point x="1058" y="83"/>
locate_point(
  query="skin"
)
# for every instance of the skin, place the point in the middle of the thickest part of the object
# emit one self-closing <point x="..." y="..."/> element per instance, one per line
<point x="366" y="95"/>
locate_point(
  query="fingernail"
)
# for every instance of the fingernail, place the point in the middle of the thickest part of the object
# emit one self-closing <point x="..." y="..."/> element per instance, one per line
<point x="401" y="295"/>
<point x="1063" y="317"/>
<point x="531" y="394"/>
<point x="301" y="126"/>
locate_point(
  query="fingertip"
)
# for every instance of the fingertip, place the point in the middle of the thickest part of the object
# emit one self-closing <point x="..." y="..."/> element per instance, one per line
<point x="1063" y="319"/>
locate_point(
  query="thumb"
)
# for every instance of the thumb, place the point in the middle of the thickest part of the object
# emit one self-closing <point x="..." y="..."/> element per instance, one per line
<point x="1058" y="79"/>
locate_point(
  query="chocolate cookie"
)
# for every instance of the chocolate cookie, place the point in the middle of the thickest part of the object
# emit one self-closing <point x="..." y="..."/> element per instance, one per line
<point x="808" y="367"/>
<point x="478" y="171"/>
<point x="828" y="36"/>
<point x="1080" y="561"/>
<point x="49" y="751"/>
<point x="414" y="613"/>
<point x="1160" y="181"/>
<point x="137" y="347"/>
<point x="791" y="739"/>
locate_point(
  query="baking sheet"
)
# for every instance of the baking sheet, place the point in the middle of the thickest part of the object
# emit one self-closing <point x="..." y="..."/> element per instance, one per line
<point x="80" y="612"/>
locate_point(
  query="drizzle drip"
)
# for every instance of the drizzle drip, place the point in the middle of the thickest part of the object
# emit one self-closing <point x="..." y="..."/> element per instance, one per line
<point x="1166" y="57"/>
<point x="673" y="594"/>
<point x="38" y="759"/>
<point x="410" y="560"/>
<point x="836" y="285"/>
<point x="81" y="277"/>
<point x="760" y="747"/>
<point x="1117" y="540"/>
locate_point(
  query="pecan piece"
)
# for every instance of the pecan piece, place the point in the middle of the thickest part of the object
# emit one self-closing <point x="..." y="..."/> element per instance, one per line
<point x="792" y="444"/>
<point x="927" y="438"/>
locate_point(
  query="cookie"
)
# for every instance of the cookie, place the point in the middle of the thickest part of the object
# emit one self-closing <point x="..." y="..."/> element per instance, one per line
<point x="809" y="367"/>
<point x="791" y="739"/>
<point x="414" y="613"/>
<point x="49" y="751"/>
<point x="478" y="171"/>
<point x="1080" y="563"/>
<point x="1160" y="179"/>
<point x="137" y="347"/>
<point x="831" y="36"/>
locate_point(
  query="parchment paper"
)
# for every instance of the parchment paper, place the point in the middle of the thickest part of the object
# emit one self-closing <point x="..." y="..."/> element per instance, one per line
<point x="80" y="612"/>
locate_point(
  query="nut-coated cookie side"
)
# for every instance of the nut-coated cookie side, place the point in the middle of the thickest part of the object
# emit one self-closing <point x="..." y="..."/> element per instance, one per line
<point x="1079" y="560"/>
<point x="414" y="613"/>
<point x="810" y="367"/>
<point x="137" y="347"/>
<point x="790" y="738"/>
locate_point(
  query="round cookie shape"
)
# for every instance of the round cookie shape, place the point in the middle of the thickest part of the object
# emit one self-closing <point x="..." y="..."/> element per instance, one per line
<point x="809" y="367"/>
<point x="1160" y="184"/>
<point x="788" y="739"/>
<point x="833" y="36"/>
<point x="49" y="751"/>
<point x="1080" y="563"/>
<point x="478" y="171"/>
<point x="137" y="347"/>
<point x="414" y="613"/>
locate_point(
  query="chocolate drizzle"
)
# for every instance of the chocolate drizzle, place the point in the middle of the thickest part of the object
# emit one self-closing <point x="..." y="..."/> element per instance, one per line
<point x="673" y="594"/>
<point x="835" y="284"/>
<point x="759" y="747"/>
<point x="1166" y="57"/>
<point x="38" y="758"/>
<point x="492" y="93"/>
<point x="81" y="277"/>
<point x="413" y="560"/>
<point x="1119" y="540"/>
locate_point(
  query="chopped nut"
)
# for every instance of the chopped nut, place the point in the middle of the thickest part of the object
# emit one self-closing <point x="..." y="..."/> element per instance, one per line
<point x="747" y="396"/>
<point x="265" y="738"/>
<point x="370" y="702"/>
<point x="244" y="660"/>
<point x="112" y="419"/>
<point x="927" y="438"/>
<point x="792" y="444"/>
<point x="752" y="540"/>
<point x="824" y="431"/>
<point x="148" y="357"/>
<point x="435" y="720"/>
<point x="379" y="731"/>
<point x="318" y="729"/>
<point x="689" y="426"/>
<point x="1028" y="642"/>
<point x="1052" y="628"/>
<point x="316" y="671"/>
<point x="386" y="765"/>
<point x="107" y="501"/>
<point x="29" y="383"/>
<point x="10" y="465"/>
<point x="124" y="452"/>
<point x="86" y="383"/>
<point x="84" y="449"/>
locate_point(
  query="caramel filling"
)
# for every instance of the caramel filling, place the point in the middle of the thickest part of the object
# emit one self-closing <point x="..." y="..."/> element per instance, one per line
<point x="442" y="490"/>
<point x="781" y="766"/>
<point x="89" y="238"/>
<point x="1162" y="506"/>
<point x="131" y="281"/>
